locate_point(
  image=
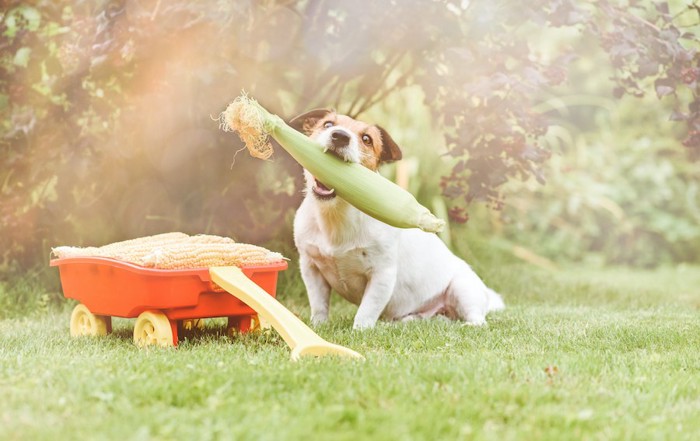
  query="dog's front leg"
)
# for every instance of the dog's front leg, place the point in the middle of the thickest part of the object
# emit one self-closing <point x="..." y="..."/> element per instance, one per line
<point x="377" y="294"/>
<point x="317" y="289"/>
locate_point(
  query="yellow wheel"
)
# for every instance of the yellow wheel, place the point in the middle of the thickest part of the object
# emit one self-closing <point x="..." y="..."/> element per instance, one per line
<point x="193" y="325"/>
<point x="83" y="322"/>
<point x="258" y="323"/>
<point x="242" y="324"/>
<point x="153" y="328"/>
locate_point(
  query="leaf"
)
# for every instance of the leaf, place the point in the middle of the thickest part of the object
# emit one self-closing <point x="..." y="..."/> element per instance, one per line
<point x="32" y="16"/>
<point x="662" y="7"/>
<point x="664" y="87"/>
<point x="678" y="116"/>
<point x="576" y="17"/>
<point x="694" y="107"/>
<point x="670" y="34"/>
<point x="685" y="55"/>
<point x="533" y="76"/>
<point x="452" y="192"/>
<point x="622" y="50"/>
<point x="22" y="56"/>
<point x="21" y="17"/>
<point x="648" y="68"/>
<point x="539" y="176"/>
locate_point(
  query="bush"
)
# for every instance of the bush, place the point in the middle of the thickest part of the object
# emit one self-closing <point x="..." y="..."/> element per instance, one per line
<point x="616" y="193"/>
<point x="105" y="105"/>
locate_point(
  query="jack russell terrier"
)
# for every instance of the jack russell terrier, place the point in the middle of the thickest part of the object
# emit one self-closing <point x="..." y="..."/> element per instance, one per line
<point x="393" y="273"/>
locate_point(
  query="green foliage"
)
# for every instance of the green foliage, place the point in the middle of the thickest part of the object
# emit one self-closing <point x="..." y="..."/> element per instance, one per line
<point x="490" y="117"/>
<point x="34" y="293"/>
<point x="105" y="106"/>
<point x="106" y="137"/>
<point x="639" y="208"/>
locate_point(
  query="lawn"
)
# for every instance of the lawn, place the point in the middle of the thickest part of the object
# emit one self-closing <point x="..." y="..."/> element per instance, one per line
<point x="578" y="354"/>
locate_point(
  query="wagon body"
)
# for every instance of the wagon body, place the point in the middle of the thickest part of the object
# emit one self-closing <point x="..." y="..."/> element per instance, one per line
<point x="109" y="287"/>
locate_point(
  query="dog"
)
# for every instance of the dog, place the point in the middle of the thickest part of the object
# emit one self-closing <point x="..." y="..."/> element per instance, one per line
<point x="391" y="273"/>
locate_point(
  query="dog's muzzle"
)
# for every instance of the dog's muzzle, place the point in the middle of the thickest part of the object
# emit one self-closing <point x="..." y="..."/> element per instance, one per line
<point x="339" y="139"/>
<point x="337" y="143"/>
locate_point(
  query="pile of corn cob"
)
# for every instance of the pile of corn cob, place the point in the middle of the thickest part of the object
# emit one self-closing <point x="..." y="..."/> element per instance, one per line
<point x="178" y="251"/>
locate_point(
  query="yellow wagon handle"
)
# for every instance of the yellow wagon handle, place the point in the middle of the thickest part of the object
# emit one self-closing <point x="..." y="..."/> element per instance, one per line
<point x="300" y="338"/>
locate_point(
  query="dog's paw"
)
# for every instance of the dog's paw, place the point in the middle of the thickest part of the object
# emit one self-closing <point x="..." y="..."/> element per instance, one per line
<point x="361" y="324"/>
<point x="475" y="320"/>
<point x="410" y="318"/>
<point x="319" y="319"/>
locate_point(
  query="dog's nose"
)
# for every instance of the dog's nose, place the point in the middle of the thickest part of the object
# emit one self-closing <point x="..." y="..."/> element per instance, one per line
<point x="339" y="139"/>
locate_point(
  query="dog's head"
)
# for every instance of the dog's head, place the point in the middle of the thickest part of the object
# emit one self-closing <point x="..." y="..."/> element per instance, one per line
<point x="349" y="139"/>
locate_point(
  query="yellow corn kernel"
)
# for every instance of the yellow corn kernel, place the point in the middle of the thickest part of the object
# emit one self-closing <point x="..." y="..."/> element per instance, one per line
<point x="187" y="255"/>
<point x="178" y="251"/>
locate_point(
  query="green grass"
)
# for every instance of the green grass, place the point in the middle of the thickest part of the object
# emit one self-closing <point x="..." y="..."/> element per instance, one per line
<point x="578" y="354"/>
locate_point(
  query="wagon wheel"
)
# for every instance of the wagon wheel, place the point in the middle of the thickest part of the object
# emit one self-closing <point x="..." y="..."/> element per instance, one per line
<point x="193" y="324"/>
<point x="258" y="323"/>
<point x="83" y="322"/>
<point x="153" y="328"/>
<point x="189" y="327"/>
<point x="243" y="324"/>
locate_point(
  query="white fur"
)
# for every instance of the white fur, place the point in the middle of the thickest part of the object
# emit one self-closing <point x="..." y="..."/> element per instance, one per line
<point x="396" y="274"/>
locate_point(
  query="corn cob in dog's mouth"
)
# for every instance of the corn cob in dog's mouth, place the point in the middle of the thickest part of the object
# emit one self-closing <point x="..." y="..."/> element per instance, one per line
<point x="365" y="189"/>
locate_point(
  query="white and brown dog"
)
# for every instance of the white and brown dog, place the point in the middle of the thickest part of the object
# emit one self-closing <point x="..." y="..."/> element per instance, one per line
<point x="396" y="274"/>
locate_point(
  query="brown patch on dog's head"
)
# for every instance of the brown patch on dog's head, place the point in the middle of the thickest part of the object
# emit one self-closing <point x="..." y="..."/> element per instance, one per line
<point x="374" y="143"/>
<point x="390" y="150"/>
<point x="306" y="122"/>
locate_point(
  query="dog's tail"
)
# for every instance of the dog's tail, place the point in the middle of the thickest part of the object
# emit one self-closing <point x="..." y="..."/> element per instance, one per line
<point x="495" y="300"/>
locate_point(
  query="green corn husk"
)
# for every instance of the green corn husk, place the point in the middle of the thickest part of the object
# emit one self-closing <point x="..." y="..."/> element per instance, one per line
<point x="366" y="190"/>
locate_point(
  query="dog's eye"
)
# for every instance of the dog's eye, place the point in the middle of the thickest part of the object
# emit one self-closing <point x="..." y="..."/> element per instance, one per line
<point x="327" y="124"/>
<point x="367" y="139"/>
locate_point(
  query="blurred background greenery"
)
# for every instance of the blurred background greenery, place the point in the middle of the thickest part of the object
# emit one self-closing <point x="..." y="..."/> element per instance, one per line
<point x="542" y="123"/>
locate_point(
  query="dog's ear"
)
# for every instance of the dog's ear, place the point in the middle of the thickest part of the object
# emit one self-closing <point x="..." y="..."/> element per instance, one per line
<point x="390" y="150"/>
<point x="304" y="123"/>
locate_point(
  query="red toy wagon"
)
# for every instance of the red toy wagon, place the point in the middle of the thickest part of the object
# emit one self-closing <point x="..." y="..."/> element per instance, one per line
<point x="162" y="301"/>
